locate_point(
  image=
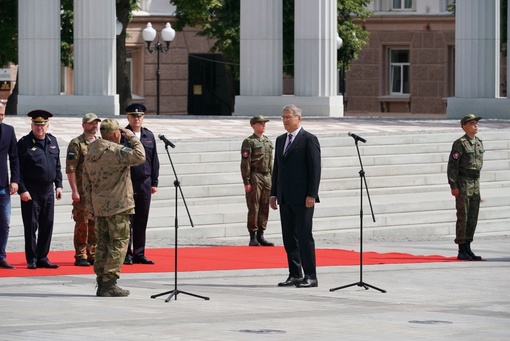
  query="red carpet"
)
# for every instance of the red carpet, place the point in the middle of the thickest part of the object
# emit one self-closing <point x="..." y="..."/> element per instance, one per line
<point x="217" y="258"/>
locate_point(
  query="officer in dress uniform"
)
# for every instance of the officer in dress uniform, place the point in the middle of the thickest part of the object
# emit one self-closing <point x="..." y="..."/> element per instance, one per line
<point x="145" y="183"/>
<point x="256" y="171"/>
<point x="40" y="169"/>
<point x="464" y="165"/>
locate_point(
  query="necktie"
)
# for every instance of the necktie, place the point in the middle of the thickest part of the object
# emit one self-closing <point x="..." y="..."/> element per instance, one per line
<point x="289" y="142"/>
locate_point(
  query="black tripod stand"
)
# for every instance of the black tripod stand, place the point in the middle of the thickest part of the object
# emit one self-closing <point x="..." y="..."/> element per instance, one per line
<point x="175" y="291"/>
<point x="362" y="180"/>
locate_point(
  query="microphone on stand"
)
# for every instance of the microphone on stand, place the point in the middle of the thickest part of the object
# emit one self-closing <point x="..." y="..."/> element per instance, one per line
<point x="356" y="137"/>
<point x="167" y="141"/>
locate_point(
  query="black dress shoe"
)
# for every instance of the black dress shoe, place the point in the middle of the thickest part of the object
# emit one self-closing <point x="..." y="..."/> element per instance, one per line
<point x="308" y="283"/>
<point x="5" y="265"/>
<point x="128" y="260"/>
<point x="46" y="264"/>
<point x="142" y="260"/>
<point x="32" y="265"/>
<point x="290" y="281"/>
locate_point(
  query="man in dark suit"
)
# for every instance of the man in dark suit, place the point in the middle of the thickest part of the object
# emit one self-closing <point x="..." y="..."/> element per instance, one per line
<point x="8" y="186"/>
<point x="295" y="187"/>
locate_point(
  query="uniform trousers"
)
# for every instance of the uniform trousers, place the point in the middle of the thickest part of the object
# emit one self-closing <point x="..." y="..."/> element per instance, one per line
<point x="142" y="196"/>
<point x="258" y="202"/>
<point x="468" y="206"/>
<point x="112" y="241"/>
<point x="5" y="218"/>
<point x="38" y="215"/>
<point x="84" y="232"/>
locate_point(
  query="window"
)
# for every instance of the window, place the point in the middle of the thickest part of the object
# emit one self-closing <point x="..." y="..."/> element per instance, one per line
<point x="402" y="4"/>
<point x="399" y="71"/>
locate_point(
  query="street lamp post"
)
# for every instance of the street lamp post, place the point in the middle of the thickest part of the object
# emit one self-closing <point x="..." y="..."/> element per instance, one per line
<point x="168" y="35"/>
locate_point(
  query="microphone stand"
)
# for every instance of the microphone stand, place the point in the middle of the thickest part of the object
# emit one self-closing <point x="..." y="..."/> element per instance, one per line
<point x="175" y="291"/>
<point x="362" y="180"/>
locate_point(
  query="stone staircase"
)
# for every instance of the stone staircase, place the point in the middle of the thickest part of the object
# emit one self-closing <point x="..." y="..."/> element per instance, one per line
<point x="405" y="174"/>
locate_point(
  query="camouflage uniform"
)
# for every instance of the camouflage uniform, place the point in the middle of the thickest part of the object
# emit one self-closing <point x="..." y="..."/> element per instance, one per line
<point x="109" y="197"/>
<point x="464" y="165"/>
<point x="84" y="235"/>
<point x="257" y="169"/>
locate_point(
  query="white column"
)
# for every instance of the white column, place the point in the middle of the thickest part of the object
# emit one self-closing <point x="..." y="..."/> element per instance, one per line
<point x="38" y="49"/>
<point x="477" y="49"/>
<point x="261" y="48"/>
<point x="477" y="61"/>
<point x="94" y="48"/>
<point x="315" y="62"/>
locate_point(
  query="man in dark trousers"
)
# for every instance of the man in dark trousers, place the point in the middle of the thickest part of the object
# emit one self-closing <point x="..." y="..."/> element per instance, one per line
<point x="8" y="185"/>
<point x="145" y="183"/>
<point x="39" y="162"/>
<point x="295" y="188"/>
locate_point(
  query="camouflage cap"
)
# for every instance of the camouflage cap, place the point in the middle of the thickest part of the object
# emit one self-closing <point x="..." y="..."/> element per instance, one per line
<point x="257" y="119"/>
<point x="468" y="118"/>
<point x="109" y="125"/>
<point x="90" y="117"/>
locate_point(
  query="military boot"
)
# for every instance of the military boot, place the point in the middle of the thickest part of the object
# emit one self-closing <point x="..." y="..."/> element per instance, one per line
<point x="463" y="253"/>
<point x="111" y="289"/>
<point x="262" y="241"/>
<point x="471" y="253"/>
<point x="253" y="239"/>
<point x="99" y="285"/>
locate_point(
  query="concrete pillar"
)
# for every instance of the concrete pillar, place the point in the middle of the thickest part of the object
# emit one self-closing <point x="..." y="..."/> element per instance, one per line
<point x="477" y="61"/>
<point x="261" y="48"/>
<point x="477" y="49"/>
<point x="315" y="53"/>
<point x="315" y="59"/>
<point x="38" y="48"/>
<point x="95" y="58"/>
<point x="94" y="48"/>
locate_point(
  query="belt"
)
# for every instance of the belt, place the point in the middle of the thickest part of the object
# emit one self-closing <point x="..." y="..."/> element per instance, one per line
<point x="261" y="173"/>
<point x="470" y="174"/>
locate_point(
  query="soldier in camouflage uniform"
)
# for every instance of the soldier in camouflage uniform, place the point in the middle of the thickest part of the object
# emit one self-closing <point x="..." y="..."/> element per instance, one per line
<point x="109" y="197"/>
<point x="256" y="171"/>
<point x="84" y="234"/>
<point x="464" y="165"/>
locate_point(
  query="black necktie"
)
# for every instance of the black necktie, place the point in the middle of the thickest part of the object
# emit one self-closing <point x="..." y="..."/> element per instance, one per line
<point x="289" y="142"/>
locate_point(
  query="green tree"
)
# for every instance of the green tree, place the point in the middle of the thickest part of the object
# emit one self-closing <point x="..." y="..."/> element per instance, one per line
<point x="220" y="20"/>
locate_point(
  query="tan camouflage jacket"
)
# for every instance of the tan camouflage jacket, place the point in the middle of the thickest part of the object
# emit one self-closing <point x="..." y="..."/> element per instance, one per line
<point x="256" y="157"/>
<point x="76" y="152"/>
<point x="107" y="176"/>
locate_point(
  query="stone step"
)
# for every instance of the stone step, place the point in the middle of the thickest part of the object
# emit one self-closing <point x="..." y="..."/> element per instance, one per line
<point x="405" y="173"/>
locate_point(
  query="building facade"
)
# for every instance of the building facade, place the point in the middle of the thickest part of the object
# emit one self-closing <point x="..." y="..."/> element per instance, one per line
<point x="408" y="65"/>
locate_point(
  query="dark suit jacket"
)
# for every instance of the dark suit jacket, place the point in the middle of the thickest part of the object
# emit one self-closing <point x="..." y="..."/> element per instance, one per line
<point x="8" y="147"/>
<point x="297" y="175"/>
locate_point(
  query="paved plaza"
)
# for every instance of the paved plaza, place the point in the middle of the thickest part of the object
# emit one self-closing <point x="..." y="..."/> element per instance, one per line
<point x="467" y="301"/>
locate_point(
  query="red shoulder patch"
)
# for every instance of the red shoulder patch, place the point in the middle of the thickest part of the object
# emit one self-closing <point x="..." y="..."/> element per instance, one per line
<point x="245" y="154"/>
<point x="455" y="155"/>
